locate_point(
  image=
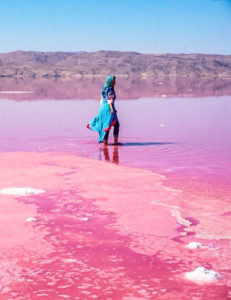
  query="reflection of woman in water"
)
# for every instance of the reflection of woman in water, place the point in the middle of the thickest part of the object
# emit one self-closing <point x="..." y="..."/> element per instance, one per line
<point x="107" y="116"/>
<point x="106" y="156"/>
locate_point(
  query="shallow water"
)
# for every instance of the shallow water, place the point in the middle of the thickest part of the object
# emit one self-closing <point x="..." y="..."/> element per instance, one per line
<point x="188" y="135"/>
<point x="185" y="139"/>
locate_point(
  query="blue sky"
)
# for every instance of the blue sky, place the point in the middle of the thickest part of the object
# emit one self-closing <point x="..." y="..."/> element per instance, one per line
<point x="146" y="26"/>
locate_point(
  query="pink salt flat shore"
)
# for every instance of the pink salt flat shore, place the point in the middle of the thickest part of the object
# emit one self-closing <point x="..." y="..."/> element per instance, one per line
<point x="103" y="231"/>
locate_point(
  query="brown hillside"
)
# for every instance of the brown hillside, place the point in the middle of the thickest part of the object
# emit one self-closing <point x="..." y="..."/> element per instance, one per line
<point x="102" y="63"/>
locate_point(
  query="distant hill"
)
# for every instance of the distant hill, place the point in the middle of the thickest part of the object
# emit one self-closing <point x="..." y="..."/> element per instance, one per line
<point x="102" y="63"/>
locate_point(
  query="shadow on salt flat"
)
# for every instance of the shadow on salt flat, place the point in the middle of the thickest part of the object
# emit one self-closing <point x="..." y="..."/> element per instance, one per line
<point x="145" y="144"/>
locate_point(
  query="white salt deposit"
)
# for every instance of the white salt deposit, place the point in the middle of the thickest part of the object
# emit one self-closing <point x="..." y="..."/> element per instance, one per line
<point x="142" y="291"/>
<point x="202" y="274"/>
<point x="194" y="245"/>
<point x="70" y="260"/>
<point x="30" y="219"/>
<point x="21" y="191"/>
<point x="15" y="92"/>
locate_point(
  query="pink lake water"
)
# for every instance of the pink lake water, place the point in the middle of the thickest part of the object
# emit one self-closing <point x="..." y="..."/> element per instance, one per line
<point x="95" y="251"/>
<point x="190" y="135"/>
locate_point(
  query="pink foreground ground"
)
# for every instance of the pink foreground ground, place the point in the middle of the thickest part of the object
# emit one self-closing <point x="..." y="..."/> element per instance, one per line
<point x="105" y="231"/>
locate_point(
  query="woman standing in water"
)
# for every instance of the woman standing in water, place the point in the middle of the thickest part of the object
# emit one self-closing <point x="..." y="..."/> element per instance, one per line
<point x="107" y="116"/>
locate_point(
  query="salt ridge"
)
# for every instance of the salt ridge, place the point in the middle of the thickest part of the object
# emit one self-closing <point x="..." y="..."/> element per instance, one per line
<point x="21" y="191"/>
<point x="202" y="274"/>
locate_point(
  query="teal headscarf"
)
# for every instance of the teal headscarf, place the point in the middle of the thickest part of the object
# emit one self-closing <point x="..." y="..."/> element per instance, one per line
<point x="108" y="81"/>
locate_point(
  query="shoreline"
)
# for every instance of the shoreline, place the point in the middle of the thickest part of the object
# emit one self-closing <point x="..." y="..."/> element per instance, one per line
<point x="132" y="207"/>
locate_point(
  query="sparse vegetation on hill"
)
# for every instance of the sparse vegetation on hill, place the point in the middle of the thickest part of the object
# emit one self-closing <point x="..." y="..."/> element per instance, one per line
<point x="102" y="63"/>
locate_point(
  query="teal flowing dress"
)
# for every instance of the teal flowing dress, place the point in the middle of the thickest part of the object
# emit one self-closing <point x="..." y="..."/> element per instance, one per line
<point x="104" y="120"/>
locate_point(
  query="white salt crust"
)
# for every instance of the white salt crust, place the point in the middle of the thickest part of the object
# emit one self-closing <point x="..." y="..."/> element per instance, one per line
<point x="21" y="191"/>
<point x="194" y="245"/>
<point x="202" y="274"/>
<point x="30" y="219"/>
<point x="15" y="92"/>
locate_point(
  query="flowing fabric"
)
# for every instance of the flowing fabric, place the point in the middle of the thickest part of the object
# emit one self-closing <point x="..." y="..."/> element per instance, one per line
<point x="105" y="120"/>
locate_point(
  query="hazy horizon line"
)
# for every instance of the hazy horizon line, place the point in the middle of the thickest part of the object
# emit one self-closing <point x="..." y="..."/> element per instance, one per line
<point x="122" y="51"/>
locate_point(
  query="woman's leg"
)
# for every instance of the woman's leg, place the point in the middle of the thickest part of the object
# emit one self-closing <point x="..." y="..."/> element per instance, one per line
<point x="105" y="139"/>
<point x="116" y="132"/>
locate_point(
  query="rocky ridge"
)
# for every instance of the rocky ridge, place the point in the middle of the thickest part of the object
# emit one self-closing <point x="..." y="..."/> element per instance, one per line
<point x="102" y="63"/>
